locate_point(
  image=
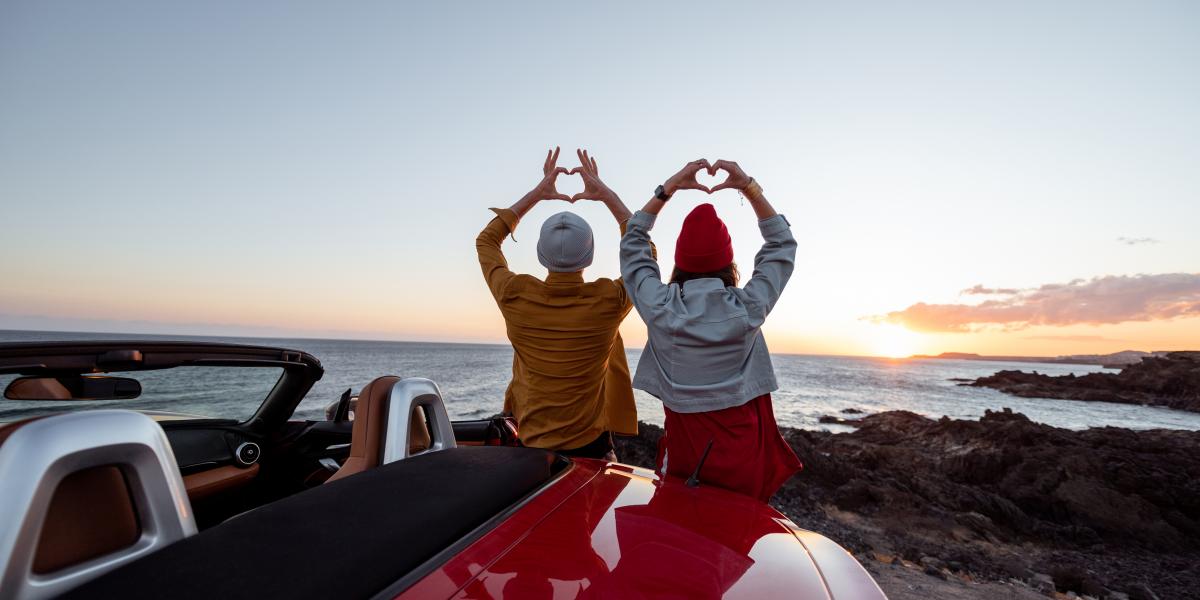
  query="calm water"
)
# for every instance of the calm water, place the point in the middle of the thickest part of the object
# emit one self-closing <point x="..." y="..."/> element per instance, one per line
<point x="473" y="377"/>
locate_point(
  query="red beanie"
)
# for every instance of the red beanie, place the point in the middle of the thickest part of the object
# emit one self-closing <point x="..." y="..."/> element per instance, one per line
<point x="704" y="245"/>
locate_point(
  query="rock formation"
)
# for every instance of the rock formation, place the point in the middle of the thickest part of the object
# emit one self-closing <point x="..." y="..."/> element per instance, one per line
<point x="1171" y="381"/>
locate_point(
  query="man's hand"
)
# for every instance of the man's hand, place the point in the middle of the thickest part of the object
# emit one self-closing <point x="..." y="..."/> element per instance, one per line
<point x="685" y="179"/>
<point x="593" y="188"/>
<point x="546" y="189"/>
<point x="738" y="179"/>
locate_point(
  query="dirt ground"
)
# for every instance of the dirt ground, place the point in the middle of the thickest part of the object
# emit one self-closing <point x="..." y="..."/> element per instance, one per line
<point x="902" y="583"/>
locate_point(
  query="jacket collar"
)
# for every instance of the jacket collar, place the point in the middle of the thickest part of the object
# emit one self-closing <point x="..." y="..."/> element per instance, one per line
<point x="553" y="278"/>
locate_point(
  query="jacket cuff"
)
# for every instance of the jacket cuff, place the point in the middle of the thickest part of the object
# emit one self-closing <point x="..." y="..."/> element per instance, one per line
<point x="509" y="217"/>
<point x="773" y="225"/>
<point x="641" y="219"/>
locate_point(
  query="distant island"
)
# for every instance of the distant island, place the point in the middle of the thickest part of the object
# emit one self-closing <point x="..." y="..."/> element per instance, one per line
<point x="1116" y="360"/>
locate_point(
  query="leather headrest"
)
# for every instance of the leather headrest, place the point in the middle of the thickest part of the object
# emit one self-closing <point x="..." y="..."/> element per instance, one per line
<point x="370" y="427"/>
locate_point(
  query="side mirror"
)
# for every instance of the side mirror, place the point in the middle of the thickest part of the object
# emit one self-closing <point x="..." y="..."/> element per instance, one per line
<point x="342" y="409"/>
<point x="73" y="387"/>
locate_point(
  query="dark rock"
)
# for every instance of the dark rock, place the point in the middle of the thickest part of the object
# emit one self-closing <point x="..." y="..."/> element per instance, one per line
<point x="831" y="419"/>
<point x="1042" y="582"/>
<point x="1141" y="591"/>
<point x="851" y="411"/>
<point x="1171" y="381"/>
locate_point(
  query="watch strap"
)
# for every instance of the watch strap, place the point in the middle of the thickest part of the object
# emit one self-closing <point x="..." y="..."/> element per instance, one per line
<point x="661" y="193"/>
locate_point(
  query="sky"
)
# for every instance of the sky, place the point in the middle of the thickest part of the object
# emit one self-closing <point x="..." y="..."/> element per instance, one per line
<point x="1011" y="178"/>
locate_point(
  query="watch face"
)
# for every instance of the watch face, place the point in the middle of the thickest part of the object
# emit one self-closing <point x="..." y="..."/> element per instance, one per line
<point x="661" y="193"/>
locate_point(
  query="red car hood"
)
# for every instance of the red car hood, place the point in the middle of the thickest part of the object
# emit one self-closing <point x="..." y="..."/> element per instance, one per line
<point x="614" y="531"/>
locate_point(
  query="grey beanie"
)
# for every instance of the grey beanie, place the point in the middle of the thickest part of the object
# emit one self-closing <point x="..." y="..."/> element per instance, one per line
<point x="565" y="244"/>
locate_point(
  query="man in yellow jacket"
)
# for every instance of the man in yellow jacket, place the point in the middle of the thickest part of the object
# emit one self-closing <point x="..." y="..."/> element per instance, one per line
<point x="570" y="389"/>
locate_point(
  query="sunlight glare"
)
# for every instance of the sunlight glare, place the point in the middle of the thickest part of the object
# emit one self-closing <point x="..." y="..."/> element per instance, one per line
<point x="894" y="341"/>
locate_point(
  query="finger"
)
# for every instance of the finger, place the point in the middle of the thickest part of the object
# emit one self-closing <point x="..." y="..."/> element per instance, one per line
<point x="729" y="166"/>
<point x="561" y="171"/>
<point x="554" y="159"/>
<point x="582" y="196"/>
<point x="587" y="160"/>
<point x="562" y="197"/>
<point x="724" y="185"/>
<point x="582" y="160"/>
<point x="704" y="188"/>
<point x="595" y="167"/>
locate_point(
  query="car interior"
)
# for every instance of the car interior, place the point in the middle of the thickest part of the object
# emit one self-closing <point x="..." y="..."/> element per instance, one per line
<point x="192" y="496"/>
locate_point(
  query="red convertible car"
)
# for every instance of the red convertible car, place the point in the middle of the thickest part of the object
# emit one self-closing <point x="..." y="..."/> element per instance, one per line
<point x="112" y="488"/>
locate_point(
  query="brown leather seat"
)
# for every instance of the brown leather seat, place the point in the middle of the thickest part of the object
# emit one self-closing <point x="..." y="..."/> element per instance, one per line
<point x="92" y="514"/>
<point x="370" y="429"/>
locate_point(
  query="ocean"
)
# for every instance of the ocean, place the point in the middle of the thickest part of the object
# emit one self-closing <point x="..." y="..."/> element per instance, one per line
<point x="473" y="377"/>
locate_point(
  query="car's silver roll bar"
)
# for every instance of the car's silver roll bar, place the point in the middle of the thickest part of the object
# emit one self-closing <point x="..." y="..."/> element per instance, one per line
<point x="406" y="395"/>
<point x="36" y="458"/>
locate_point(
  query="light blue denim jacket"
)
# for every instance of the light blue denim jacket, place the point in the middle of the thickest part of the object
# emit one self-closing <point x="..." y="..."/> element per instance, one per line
<point x="705" y="350"/>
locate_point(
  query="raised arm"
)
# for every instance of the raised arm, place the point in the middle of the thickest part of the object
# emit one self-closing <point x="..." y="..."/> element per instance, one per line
<point x="639" y="264"/>
<point x="487" y="244"/>
<point x="776" y="259"/>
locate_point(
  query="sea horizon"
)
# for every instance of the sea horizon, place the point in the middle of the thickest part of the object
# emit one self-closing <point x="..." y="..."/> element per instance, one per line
<point x="121" y="336"/>
<point x="474" y="375"/>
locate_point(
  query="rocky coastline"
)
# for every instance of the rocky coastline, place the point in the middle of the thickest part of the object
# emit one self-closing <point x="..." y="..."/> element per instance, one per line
<point x="1171" y="381"/>
<point x="999" y="507"/>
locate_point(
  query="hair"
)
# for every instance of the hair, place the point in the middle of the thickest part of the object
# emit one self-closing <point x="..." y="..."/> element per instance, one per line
<point x="728" y="275"/>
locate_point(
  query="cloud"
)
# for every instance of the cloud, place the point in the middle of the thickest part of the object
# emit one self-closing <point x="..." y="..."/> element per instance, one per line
<point x="979" y="290"/>
<point x="1073" y="338"/>
<point x="1128" y="241"/>
<point x="1102" y="300"/>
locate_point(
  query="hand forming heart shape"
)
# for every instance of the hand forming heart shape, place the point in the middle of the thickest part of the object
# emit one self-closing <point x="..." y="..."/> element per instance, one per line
<point x="736" y="178"/>
<point x="688" y="178"/>
<point x="547" y="189"/>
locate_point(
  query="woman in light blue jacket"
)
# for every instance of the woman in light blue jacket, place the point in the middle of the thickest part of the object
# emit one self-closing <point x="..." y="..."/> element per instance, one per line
<point x="706" y="358"/>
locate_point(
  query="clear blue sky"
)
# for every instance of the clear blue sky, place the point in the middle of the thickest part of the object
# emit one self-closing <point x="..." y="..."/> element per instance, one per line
<point x="323" y="168"/>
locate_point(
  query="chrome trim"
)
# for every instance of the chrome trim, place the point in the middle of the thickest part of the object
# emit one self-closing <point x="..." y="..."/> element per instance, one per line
<point x="237" y="454"/>
<point x="407" y="394"/>
<point x="39" y="455"/>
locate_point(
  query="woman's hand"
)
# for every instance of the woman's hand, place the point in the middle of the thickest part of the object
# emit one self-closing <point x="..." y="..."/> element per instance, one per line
<point x="685" y="179"/>
<point x="593" y="188"/>
<point x="546" y="189"/>
<point x="738" y="179"/>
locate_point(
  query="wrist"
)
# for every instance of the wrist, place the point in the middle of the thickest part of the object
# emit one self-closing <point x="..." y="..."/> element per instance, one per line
<point x="610" y="198"/>
<point x="752" y="190"/>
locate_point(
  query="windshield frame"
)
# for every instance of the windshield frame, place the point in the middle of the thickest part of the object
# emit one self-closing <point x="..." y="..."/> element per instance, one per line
<point x="300" y="370"/>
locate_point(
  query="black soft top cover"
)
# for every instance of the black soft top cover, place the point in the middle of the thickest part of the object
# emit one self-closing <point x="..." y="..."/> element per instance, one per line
<point x="348" y="539"/>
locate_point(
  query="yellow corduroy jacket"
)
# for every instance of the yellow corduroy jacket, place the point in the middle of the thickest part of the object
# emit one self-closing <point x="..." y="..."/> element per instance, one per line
<point x="570" y="379"/>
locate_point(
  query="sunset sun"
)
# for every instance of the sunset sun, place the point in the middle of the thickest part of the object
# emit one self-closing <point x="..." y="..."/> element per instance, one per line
<point x="893" y="341"/>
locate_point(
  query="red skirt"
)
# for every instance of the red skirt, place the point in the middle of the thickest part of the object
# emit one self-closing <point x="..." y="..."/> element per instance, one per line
<point x="748" y="454"/>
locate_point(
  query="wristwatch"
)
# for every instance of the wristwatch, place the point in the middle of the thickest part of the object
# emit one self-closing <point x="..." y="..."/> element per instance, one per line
<point x="661" y="193"/>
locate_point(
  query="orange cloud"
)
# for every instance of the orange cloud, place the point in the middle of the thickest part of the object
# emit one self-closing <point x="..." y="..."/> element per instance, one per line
<point x="1102" y="300"/>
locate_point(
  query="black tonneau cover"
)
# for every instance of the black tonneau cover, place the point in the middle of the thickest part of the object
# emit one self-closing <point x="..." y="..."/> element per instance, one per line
<point x="348" y="539"/>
